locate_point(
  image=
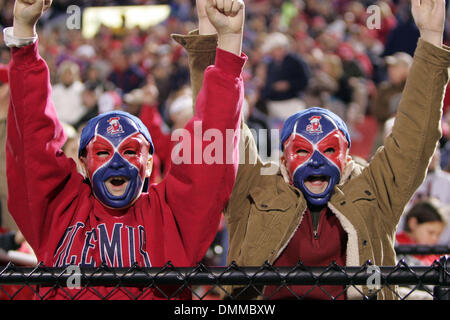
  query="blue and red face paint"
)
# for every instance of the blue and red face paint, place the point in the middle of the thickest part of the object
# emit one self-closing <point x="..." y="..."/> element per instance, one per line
<point x="118" y="147"/>
<point x="315" y="144"/>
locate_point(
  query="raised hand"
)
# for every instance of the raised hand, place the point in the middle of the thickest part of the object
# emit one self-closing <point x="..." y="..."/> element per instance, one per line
<point x="27" y="14"/>
<point x="227" y="17"/>
<point x="201" y="9"/>
<point x="204" y="25"/>
<point x="429" y="16"/>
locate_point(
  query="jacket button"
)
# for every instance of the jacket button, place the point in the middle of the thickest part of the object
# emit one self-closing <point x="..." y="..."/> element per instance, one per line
<point x="343" y="203"/>
<point x="368" y="192"/>
<point x="364" y="242"/>
<point x="264" y="205"/>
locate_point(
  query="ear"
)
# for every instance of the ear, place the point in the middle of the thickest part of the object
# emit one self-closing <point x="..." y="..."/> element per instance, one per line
<point x="149" y="169"/>
<point x="284" y="170"/>
<point x="348" y="158"/>
<point x="347" y="170"/>
<point x="413" y="223"/>
<point x="83" y="167"/>
<point x="283" y="160"/>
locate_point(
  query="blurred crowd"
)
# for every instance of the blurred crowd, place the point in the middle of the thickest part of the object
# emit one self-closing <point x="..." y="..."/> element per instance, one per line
<point x="302" y="53"/>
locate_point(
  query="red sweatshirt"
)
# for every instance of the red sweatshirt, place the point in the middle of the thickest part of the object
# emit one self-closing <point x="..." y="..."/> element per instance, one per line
<point x="64" y="223"/>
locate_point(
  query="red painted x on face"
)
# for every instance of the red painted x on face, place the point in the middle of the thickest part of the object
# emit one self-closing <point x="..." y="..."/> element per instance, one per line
<point x="298" y="150"/>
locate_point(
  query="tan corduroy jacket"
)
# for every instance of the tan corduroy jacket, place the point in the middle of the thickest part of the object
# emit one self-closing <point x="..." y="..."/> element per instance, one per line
<point x="264" y="211"/>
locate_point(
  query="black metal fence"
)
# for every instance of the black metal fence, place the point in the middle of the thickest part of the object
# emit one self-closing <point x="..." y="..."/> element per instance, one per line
<point x="232" y="282"/>
<point x="422" y="250"/>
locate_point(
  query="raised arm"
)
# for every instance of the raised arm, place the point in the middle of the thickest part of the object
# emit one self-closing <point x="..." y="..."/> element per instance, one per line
<point x="400" y="166"/>
<point x="198" y="188"/>
<point x="37" y="170"/>
<point x="201" y="48"/>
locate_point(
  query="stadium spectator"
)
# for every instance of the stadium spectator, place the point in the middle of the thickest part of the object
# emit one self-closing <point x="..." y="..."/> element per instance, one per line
<point x="423" y="225"/>
<point x="106" y="208"/>
<point x="89" y="99"/>
<point x="403" y="38"/>
<point x="435" y="187"/>
<point x="94" y="81"/>
<point x="67" y="93"/>
<point x="259" y="123"/>
<point x="388" y="21"/>
<point x="109" y="101"/>
<point x="337" y="28"/>
<point x="180" y="109"/>
<point x="290" y="216"/>
<point x="125" y="75"/>
<point x="286" y="79"/>
<point x="327" y="71"/>
<point x="389" y="92"/>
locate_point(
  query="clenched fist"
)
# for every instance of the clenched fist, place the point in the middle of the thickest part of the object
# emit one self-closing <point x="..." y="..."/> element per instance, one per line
<point x="204" y="25"/>
<point x="27" y="14"/>
<point x="429" y="16"/>
<point x="227" y="16"/>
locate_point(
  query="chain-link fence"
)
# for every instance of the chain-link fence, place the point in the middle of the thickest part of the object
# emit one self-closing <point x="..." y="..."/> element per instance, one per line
<point x="232" y="282"/>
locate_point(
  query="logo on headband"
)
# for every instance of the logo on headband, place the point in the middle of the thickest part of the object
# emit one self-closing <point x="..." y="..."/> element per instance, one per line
<point x="314" y="126"/>
<point x="114" y="126"/>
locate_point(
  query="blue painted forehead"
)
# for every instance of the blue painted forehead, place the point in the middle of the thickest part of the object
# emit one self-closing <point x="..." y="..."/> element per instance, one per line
<point x="114" y="126"/>
<point x="314" y="124"/>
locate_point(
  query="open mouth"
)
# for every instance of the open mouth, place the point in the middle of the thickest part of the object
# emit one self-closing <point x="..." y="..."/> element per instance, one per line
<point x="117" y="185"/>
<point x="317" y="184"/>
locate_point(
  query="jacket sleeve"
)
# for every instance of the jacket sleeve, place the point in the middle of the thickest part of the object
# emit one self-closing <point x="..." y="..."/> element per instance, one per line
<point x="201" y="50"/>
<point x="37" y="170"/>
<point x="399" y="167"/>
<point x="205" y="160"/>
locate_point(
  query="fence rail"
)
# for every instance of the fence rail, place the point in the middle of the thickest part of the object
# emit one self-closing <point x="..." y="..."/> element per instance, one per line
<point x="417" y="278"/>
<point x="422" y="250"/>
<point x="233" y="275"/>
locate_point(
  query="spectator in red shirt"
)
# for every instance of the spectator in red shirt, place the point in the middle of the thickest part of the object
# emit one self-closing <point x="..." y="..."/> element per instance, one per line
<point x="424" y="224"/>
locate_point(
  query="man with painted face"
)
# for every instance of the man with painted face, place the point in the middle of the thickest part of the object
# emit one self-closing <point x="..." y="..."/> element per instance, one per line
<point x="119" y="148"/>
<point x="104" y="218"/>
<point x="315" y="144"/>
<point x="319" y="206"/>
